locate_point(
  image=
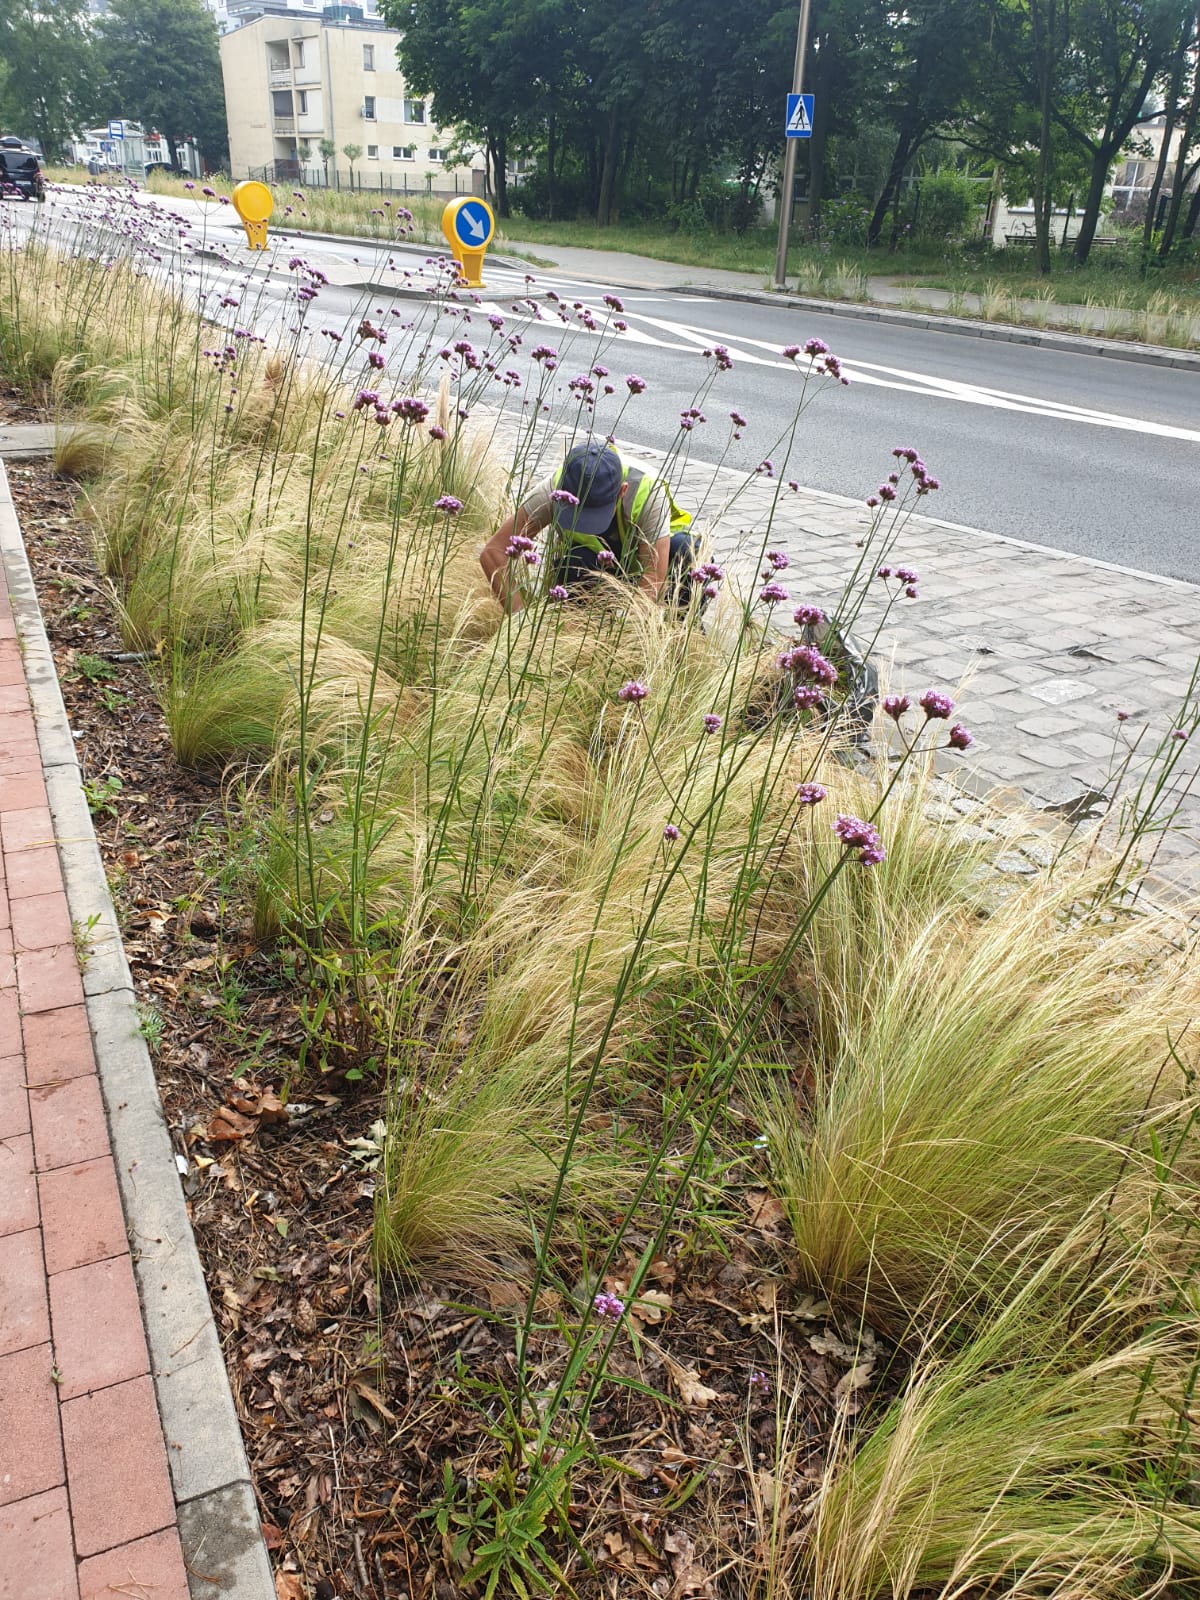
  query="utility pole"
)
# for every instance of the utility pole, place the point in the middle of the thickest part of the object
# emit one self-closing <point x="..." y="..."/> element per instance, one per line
<point x="789" y="153"/>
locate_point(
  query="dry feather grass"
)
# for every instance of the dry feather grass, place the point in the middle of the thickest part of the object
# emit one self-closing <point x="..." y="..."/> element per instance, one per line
<point x="986" y="1076"/>
<point x="1046" y="1455"/>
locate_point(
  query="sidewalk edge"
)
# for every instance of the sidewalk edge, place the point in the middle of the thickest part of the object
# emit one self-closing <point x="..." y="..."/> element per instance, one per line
<point x="225" y="1557"/>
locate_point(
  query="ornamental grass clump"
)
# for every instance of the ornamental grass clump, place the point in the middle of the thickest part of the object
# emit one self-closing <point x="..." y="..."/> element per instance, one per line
<point x="985" y="1075"/>
<point x="1051" y="1452"/>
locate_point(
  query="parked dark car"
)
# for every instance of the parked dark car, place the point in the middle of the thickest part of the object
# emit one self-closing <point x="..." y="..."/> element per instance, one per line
<point x="20" y="171"/>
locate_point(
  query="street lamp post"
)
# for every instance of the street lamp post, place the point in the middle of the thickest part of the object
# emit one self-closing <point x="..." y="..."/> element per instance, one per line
<point x="789" y="153"/>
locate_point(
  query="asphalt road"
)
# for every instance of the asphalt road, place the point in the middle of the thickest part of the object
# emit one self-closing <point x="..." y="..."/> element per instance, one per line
<point x="1073" y="452"/>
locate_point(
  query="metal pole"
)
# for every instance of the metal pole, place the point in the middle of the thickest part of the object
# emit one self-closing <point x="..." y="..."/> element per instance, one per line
<point x="789" y="153"/>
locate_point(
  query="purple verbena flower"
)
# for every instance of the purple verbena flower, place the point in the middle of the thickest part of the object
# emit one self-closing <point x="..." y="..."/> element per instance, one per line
<point x="862" y="836"/>
<point x="809" y="794"/>
<point x="936" y="705"/>
<point x="772" y="593"/>
<point x="634" y="384"/>
<point x="448" y="503"/>
<point x="712" y="723"/>
<point x="778" y="560"/>
<point x="896" y="705"/>
<point x="808" y="616"/>
<point x="607" y="1307"/>
<point x="558" y="594"/>
<point x="410" y="409"/>
<point x="959" y="738"/>
<point x="630" y="693"/>
<point x="670" y="833"/>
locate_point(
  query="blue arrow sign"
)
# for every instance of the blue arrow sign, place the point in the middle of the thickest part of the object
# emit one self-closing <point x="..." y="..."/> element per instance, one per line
<point x="473" y="227"/>
<point x="799" y="116"/>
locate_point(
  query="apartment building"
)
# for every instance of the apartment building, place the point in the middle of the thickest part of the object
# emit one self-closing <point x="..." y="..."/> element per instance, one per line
<point x="293" y="81"/>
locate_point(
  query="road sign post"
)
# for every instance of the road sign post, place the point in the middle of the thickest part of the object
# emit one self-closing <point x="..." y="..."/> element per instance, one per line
<point x="789" y="152"/>
<point x="468" y="225"/>
<point x="798" y="124"/>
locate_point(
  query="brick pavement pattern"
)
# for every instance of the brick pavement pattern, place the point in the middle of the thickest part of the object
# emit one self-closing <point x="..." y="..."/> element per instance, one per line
<point x="86" y="1509"/>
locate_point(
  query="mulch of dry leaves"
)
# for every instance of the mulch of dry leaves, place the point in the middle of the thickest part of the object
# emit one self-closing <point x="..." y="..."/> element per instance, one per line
<point x="353" y="1393"/>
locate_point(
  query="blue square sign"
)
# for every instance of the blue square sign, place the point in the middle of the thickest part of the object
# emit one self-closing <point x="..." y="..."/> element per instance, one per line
<point x="799" y="116"/>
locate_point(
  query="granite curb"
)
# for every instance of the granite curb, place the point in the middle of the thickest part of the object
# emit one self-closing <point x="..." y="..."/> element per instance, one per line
<point x="210" y="1476"/>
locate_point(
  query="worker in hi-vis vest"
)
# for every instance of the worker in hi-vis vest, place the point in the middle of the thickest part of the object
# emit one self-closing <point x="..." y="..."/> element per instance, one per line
<point x="604" y="516"/>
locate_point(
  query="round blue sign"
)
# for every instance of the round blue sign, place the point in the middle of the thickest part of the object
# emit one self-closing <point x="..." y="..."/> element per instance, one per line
<point x="473" y="225"/>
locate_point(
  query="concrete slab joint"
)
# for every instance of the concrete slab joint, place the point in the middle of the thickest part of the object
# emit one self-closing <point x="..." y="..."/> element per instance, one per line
<point x="190" y="1399"/>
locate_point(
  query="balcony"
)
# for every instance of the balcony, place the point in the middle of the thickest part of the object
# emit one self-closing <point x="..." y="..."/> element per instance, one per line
<point x="280" y="77"/>
<point x="284" y="125"/>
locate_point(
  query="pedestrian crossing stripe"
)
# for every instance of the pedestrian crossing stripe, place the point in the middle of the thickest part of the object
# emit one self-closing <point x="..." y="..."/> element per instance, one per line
<point x="798" y="121"/>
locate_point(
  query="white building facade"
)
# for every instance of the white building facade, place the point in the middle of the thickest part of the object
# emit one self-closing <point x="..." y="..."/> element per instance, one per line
<point x="295" y="83"/>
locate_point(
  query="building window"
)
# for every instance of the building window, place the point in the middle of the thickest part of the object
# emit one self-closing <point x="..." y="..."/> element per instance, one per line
<point x="414" y="111"/>
<point x="404" y="152"/>
<point x="368" y="58"/>
<point x="372" y="152"/>
<point x="299" y="47"/>
<point x="369" y="108"/>
<point x="302" y="102"/>
<point x="437" y="155"/>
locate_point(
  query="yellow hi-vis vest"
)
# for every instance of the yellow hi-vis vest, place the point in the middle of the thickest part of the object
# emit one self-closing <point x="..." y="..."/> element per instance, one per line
<point x="642" y="490"/>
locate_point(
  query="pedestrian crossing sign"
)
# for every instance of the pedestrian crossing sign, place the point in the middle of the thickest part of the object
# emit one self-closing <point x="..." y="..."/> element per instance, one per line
<point x="799" y="116"/>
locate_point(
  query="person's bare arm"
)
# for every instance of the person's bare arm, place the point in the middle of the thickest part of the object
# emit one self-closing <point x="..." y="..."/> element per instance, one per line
<point x="497" y="568"/>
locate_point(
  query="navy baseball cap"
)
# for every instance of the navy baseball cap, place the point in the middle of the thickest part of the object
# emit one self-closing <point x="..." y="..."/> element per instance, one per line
<point x="592" y="473"/>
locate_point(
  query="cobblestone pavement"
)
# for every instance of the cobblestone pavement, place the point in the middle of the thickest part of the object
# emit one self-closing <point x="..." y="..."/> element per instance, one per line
<point x="1046" y="647"/>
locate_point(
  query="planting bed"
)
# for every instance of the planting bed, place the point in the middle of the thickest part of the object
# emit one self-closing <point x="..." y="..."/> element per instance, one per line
<point x="547" y="1004"/>
<point x="355" y="1391"/>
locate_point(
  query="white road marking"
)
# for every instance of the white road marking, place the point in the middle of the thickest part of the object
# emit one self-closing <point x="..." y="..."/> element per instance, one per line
<point x="671" y="335"/>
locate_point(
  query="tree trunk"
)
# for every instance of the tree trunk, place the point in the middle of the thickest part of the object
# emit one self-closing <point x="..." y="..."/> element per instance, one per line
<point x="1043" y="177"/>
<point x="608" y="172"/>
<point x="1186" y="137"/>
<point x="1090" y="216"/>
<point x="1193" y="216"/>
<point x="891" y="186"/>
<point x="1173" y="108"/>
<point x="551" y="142"/>
<point x="498" y="154"/>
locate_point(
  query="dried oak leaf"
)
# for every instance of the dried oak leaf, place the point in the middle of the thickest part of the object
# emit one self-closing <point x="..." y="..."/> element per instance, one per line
<point x="687" y="1381"/>
<point x="690" y="1576"/>
<point x="226" y="1126"/>
<point x="766" y="1212"/>
<point x="288" y="1585"/>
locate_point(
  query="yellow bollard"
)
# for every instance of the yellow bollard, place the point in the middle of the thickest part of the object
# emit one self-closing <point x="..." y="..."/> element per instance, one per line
<point x="469" y="225"/>
<point x="254" y="203"/>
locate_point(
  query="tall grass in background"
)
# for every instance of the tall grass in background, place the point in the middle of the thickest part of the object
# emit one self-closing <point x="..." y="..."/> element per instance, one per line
<point x="564" y="885"/>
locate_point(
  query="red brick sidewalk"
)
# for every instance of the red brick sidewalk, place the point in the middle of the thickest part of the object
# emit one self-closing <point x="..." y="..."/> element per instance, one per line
<point x="86" y="1509"/>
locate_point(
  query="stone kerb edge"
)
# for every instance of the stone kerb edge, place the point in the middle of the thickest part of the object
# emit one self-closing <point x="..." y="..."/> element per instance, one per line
<point x="218" y="1517"/>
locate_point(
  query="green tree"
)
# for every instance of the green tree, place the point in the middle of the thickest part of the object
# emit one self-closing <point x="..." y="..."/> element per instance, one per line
<point x="352" y="153"/>
<point x="937" y="50"/>
<point x="50" y="70"/>
<point x="1124" y="51"/>
<point x="163" y="68"/>
<point x="328" y="150"/>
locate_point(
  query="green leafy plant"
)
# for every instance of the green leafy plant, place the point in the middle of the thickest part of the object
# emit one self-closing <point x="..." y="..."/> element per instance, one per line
<point x="101" y="794"/>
